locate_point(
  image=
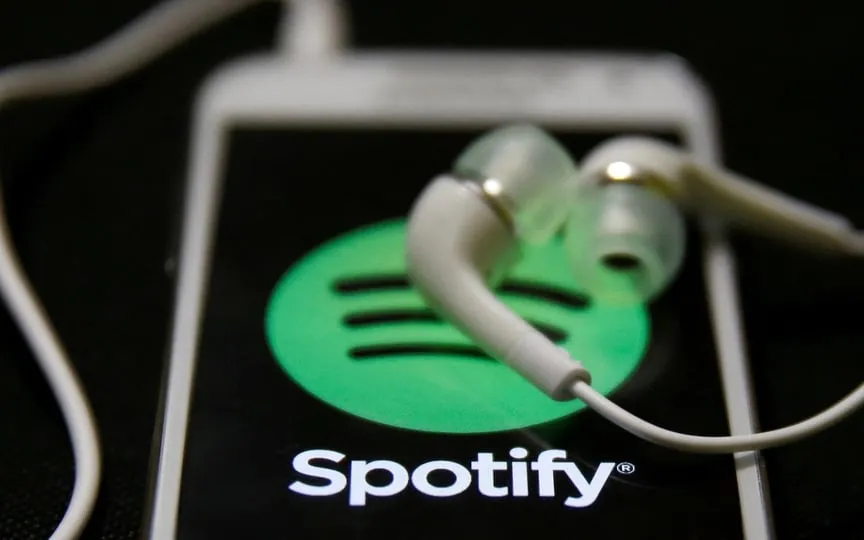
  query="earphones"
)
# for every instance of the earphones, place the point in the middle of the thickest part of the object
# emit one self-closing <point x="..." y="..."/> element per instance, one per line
<point x="622" y="215"/>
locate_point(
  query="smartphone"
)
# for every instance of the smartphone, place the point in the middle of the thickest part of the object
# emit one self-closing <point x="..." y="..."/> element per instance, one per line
<point x="311" y="393"/>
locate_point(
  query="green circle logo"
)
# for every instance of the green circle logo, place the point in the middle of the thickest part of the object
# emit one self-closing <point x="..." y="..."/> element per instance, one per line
<point x="345" y="324"/>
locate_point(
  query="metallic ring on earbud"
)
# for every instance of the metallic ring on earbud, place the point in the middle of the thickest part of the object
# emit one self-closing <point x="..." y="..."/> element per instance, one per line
<point x="623" y="172"/>
<point x="491" y="191"/>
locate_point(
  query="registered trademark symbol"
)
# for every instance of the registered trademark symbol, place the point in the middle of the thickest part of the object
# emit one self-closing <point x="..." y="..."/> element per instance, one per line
<point x="625" y="468"/>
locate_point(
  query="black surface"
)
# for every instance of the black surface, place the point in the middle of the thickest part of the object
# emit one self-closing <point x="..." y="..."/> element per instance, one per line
<point x="91" y="186"/>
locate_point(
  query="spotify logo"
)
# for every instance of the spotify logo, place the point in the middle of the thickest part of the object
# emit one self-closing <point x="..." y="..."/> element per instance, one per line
<point x="345" y="324"/>
<point x="493" y="478"/>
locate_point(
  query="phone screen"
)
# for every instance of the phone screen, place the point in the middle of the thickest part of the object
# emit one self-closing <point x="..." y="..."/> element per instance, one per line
<point x="330" y="402"/>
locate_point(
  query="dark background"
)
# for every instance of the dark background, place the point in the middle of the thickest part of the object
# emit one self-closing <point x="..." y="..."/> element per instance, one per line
<point x="91" y="185"/>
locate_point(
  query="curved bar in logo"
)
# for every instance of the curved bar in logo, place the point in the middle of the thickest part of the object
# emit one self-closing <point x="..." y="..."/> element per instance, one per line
<point x="345" y="324"/>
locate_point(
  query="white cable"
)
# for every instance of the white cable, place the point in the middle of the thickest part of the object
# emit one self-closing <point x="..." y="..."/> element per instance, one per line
<point x="313" y="29"/>
<point x="146" y="38"/>
<point x="718" y="445"/>
<point x="53" y="361"/>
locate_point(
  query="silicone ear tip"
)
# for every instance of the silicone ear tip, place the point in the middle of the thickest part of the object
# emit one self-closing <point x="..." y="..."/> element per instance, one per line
<point x="625" y="243"/>
<point x="533" y="174"/>
<point x="492" y="153"/>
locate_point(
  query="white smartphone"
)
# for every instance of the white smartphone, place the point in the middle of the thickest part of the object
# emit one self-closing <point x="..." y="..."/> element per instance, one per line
<point x="309" y="392"/>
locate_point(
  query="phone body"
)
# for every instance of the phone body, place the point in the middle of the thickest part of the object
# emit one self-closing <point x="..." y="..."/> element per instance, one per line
<point x="351" y="120"/>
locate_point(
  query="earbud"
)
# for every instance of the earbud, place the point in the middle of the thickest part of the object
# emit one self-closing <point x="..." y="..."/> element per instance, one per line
<point x="700" y="188"/>
<point x="625" y="242"/>
<point x="464" y="232"/>
<point x="525" y="174"/>
<point x="625" y="234"/>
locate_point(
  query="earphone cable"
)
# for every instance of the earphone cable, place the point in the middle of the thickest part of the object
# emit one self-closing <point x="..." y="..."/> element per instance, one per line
<point x="146" y="38"/>
<point x="64" y="383"/>
<point x="722" y="444"/>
